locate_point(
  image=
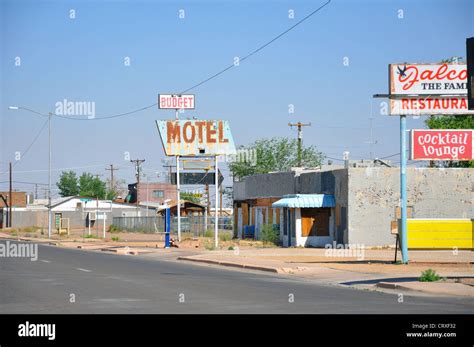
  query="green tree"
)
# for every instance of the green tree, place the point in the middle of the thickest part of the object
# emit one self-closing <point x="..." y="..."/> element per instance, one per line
<point x="67" y="184"/>
<point x="451" y="122"/>
<point x="91" y="186"/>
<point x="274" y="154"/>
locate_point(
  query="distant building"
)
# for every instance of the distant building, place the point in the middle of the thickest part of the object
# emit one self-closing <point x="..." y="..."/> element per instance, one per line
<point x="76" y="210"/>
<point x="152" y="192"/>
<point x="19" y="199"/>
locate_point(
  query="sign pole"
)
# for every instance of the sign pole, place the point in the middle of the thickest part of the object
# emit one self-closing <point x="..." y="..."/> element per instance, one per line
<point x="167" y="226"/>
<point x="178" y="191"/>
<point x="216" y="205"/>
<point x="403" y="186"/>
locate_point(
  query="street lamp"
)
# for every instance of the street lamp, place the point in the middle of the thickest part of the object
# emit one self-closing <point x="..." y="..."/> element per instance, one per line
<point x="49" y="160"/>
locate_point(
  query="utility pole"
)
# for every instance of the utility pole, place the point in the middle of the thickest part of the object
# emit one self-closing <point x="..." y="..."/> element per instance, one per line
<point x="299" y="125"/>
<point x="371" y="141"/>
<point x="208" y="196"/>
<point x="112" y="169"/>
<point x="50" y="221"/>
<point x="221" y="193"/>
<point x="137" y="163"/>
<point x="10" y="199"/>
<point x="169" y="166"/>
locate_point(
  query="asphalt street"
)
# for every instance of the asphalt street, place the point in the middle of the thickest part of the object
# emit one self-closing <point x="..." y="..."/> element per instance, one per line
<point x="76" y="281"/>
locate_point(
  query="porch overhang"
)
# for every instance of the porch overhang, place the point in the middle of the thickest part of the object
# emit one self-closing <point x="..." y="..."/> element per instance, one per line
<point x="306" y="201"/>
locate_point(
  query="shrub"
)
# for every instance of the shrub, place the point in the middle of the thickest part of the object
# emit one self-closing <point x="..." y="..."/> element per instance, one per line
<point x="209" y="246"/>
<point x="429" y="275"/>
<point x="115" y="238"/>
<point x="225" y="236"/>
<point x="209" y="233"/>
<point x="269" y="234"/>
<point x="113" y="228"/>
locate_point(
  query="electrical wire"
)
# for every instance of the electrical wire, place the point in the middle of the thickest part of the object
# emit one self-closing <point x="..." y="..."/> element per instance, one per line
<point x="204" y="80"/>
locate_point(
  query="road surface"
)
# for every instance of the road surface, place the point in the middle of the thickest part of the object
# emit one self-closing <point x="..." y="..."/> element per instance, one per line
<point x="76" y="281"/>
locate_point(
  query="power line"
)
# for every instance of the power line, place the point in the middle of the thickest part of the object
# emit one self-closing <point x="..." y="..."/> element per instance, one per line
<point x="30" y="145"/>
<point x="204" y="80"/>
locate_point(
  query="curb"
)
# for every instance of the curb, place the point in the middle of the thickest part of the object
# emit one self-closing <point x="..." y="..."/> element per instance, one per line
<point x="390" y="285"/>
<point x="231" y="264"/>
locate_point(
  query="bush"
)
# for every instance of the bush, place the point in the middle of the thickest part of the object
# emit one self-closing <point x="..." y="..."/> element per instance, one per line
<point x="225" y="236"/>
<point x="113" y="228"/>
<point x="209" y="245"/>
<point x="209" y="233"/>
<point x="269" y="234"/>
<point x="115" y="238"/>
<point x="429" y="275"/>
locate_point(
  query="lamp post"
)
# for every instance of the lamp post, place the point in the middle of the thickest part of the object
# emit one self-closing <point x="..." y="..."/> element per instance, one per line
<point x="49" y="160"/>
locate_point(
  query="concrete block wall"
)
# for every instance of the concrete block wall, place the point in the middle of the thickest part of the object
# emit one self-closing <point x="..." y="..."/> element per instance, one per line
<point x="374" y="194"/>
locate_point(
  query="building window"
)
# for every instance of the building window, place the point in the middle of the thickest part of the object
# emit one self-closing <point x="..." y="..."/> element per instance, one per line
<point x="158" y="193"/>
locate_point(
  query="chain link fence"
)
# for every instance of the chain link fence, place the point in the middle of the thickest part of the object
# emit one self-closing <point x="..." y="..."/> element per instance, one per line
<point x="196" y="225"/>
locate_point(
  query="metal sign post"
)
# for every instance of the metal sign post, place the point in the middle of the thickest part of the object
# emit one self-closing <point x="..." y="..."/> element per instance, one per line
<point x="216" y="205"/>
<point x="167" y="226"/>
<point x="178" y="190"/>
<point x="403" y="187"/>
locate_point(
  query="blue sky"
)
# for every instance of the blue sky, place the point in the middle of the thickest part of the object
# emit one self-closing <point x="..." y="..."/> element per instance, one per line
<point x="82" y="59"/>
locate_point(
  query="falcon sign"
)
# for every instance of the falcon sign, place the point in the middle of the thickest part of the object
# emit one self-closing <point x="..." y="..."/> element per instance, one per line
<point x="196" y="137"/>
<point x="441" y="144"/>
<point x="428" y="89"/>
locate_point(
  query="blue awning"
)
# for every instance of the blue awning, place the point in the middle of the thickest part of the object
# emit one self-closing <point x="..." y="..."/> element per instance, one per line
<point x="306" y="201"/>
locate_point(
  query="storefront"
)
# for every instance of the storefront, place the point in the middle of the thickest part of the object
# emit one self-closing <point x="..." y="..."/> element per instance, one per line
<point x="308" y="218"/>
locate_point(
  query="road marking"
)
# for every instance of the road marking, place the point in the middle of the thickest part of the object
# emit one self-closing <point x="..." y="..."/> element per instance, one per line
<point x="45" y="261"/>
<point x="85" y="270"/>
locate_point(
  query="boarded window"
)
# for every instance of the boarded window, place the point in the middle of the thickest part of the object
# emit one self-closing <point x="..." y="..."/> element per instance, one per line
<point x="315" y="222"/>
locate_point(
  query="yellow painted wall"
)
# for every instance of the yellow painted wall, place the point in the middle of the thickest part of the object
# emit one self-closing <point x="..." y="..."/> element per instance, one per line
<point x="440" y="233"/>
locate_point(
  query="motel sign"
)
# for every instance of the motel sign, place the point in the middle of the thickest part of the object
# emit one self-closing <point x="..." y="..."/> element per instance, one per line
<point x="196" y="137"/>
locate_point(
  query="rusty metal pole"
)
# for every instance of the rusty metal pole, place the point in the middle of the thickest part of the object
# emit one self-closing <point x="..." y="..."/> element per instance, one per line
<point x="10" y="199"/>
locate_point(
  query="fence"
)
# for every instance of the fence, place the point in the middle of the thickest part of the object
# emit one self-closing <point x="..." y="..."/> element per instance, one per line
<point x="156" y="224"/>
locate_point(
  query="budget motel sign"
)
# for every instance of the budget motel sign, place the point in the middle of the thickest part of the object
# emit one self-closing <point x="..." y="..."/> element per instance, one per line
<point x="196" y="137"/>
<point x="429" y="144"/>
<point x="176" y="102"/>
<point x="428" y="89"/>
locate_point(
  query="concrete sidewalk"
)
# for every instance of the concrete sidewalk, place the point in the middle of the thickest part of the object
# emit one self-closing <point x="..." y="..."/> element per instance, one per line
<point x="375" y="266"/>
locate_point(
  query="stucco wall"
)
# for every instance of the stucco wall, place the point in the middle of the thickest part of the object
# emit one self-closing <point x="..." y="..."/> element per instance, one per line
<point x="374" y="194"/>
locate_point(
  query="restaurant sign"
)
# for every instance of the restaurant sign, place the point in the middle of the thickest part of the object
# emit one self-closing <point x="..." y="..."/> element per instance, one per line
<point x="428" y="89"/>
<point x="430" y="144"/>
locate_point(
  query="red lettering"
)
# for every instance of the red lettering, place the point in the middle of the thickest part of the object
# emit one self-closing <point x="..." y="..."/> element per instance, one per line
<point x="173" y="132"/>
<point x="186" y="126"/>
<point x="210" y="132"/>
<point x="221" y="133"/>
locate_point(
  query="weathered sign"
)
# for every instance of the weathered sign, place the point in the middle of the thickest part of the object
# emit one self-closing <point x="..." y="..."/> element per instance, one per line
<point x="177" y="102"/>
<point x="191" y="178"/>
<point x="427" y="89"/>
<point x="196" y="137"/>
<point x="430" y="144"/>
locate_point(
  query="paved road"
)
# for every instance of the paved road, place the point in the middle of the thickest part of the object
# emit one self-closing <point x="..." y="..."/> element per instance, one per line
<point x="105" y="283"/>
